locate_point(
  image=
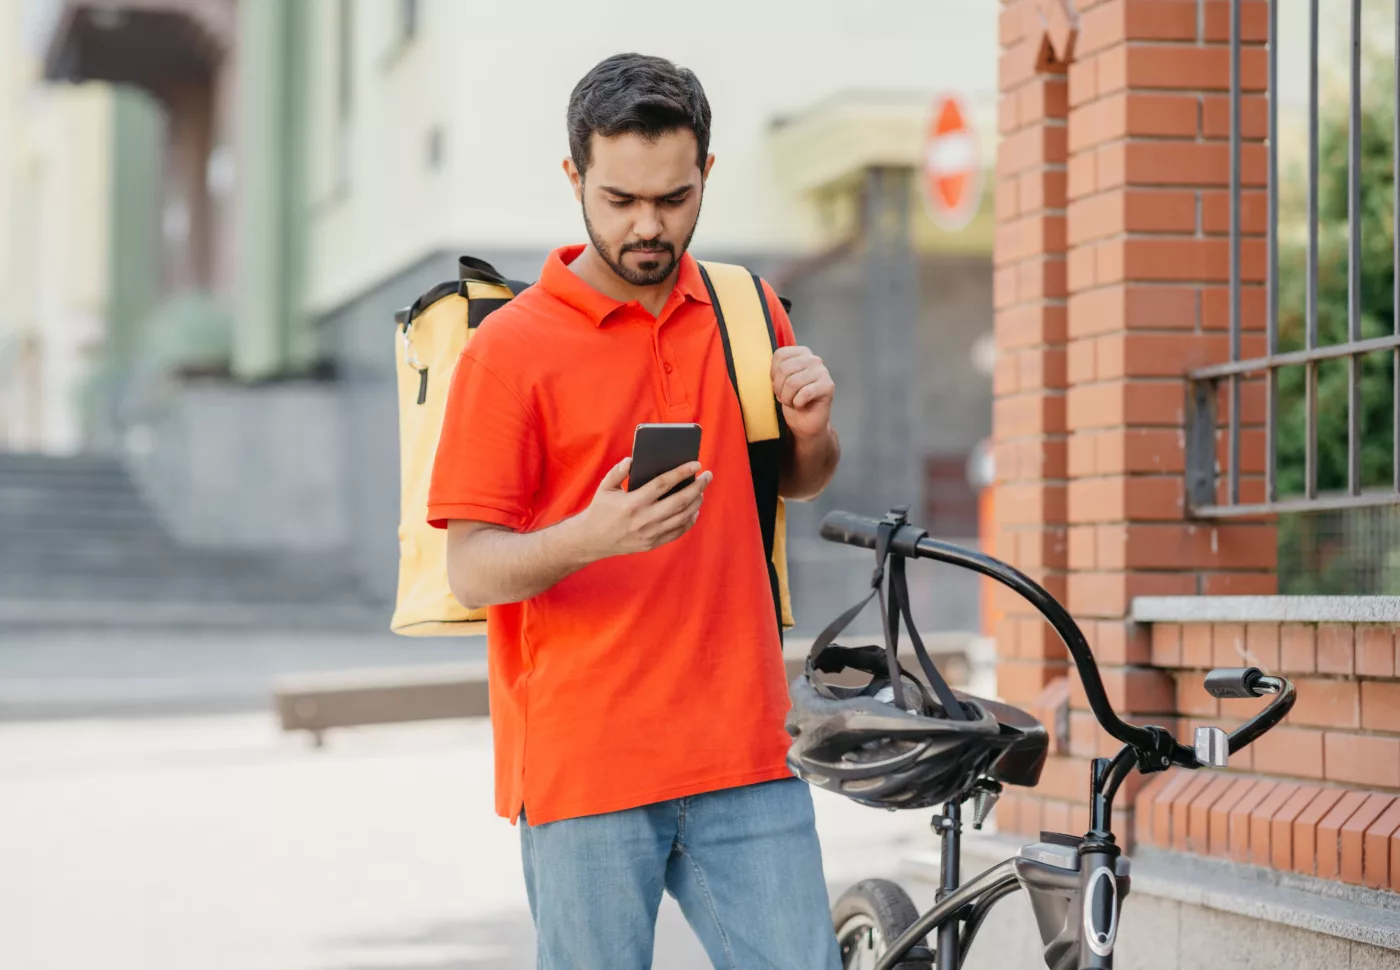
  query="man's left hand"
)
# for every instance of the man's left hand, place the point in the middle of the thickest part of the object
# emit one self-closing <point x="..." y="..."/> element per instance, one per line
<point x="803" y="386"/>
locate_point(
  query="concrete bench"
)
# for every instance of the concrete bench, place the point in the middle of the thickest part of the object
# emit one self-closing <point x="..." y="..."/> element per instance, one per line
<point x="382" y="695"/>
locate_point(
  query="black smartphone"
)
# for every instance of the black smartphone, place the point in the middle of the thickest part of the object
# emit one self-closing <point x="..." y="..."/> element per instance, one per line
<point x="660" y="448"/>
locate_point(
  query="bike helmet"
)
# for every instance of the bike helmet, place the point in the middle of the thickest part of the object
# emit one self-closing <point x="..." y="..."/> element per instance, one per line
<point x="896" y="744"/>
<point x="857" y="742"/>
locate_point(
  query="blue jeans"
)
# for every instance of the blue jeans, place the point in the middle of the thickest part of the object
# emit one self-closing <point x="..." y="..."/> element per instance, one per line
<point x="743" y="863"/>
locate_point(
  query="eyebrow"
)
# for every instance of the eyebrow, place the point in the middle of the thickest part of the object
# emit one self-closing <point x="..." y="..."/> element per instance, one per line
<point x="665" y="195"/>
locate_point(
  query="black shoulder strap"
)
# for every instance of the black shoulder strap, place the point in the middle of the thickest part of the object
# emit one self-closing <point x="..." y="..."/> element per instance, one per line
<point x="473" y="270"/>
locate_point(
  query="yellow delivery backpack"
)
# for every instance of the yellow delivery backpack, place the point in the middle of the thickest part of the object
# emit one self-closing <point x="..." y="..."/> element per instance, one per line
<point x="431" y="335"/>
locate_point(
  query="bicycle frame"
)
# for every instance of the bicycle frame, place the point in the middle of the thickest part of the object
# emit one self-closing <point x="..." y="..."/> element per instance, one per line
<point x="971" y="902"/>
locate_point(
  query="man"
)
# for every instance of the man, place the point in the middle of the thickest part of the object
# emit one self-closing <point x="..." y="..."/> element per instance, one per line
<point x="637" y="682"/>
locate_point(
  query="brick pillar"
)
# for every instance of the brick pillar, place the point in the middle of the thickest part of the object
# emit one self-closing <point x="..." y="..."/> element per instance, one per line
<point x="1029" y="386"/>
<point x="1100" y="517"/>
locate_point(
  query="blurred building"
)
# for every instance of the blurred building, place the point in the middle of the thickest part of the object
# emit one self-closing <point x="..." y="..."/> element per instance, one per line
<point x="322" y="163"/>
<point x="57" y="261"/>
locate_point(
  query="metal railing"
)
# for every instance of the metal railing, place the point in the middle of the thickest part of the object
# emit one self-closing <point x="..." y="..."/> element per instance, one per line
<point x="1340" y="552"/>
<point x="1203" y="477"/>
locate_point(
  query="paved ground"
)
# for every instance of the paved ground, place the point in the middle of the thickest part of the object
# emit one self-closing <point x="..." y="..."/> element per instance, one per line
<point x="124" y="672"/>
<point x="216" y="842"/>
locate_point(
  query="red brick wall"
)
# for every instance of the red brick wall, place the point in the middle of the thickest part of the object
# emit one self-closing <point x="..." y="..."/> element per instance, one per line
<point x="1319" y="794"/>
<point x="1111" y="265"/>
<point x="1031" y="320"/>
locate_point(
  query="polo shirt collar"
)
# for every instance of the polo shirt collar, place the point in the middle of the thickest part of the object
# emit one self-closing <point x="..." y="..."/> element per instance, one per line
<point x="558" y="280"/>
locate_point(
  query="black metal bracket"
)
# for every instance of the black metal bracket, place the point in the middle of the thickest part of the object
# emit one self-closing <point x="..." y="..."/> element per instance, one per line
<point x="1201" y="473"/>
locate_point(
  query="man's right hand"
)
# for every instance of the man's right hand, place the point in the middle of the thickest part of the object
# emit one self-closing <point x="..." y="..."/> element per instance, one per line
<point x="619" y="523"/>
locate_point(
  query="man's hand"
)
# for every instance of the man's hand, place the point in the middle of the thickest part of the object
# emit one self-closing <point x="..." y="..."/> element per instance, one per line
<point x="619" y="523"/>
<point x="803" y="386"/>
<point x="488" y="564"/>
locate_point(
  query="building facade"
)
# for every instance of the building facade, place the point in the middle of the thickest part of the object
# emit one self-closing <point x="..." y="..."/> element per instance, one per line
<point x="325" y="162"/>
<point x="56" y="264"/>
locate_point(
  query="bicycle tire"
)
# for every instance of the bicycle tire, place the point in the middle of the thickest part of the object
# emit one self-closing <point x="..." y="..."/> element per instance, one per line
<point x="878" y="905"/>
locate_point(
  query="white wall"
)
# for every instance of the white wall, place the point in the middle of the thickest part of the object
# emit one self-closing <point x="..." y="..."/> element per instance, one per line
<point x="54" y="235"/>
<point x="497" y="78"/>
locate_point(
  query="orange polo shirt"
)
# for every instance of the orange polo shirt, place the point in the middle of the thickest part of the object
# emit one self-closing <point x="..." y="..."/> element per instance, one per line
<point x="640" y="678"/>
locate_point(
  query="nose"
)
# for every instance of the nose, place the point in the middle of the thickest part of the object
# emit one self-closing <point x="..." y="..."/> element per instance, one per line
<point x="648" y="224"/>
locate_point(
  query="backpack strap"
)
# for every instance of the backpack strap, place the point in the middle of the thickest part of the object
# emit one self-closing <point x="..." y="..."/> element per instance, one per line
<point x="473" y="270"/>
<point x="746" y="330"/>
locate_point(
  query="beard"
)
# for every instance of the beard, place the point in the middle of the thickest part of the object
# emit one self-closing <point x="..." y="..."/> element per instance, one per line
<point x="662" y="262"/>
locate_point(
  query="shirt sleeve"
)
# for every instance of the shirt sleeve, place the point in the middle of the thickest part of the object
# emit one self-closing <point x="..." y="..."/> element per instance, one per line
<point x="782" y="326"/>
<point x="488" y="463"/>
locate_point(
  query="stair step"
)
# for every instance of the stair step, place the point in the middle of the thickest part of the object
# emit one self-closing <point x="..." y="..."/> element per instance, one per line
<point x="60" y="465"/>
<point x="76" y="518"/>
<point x="23" y="545"/>
<point x="76" y="531"/>
<point x="24" y="499"/>
<point x="168" y="557"/>
<point x="18" y="613"/>
<point x="187" y="587"/>
<point x="50" y="526"/>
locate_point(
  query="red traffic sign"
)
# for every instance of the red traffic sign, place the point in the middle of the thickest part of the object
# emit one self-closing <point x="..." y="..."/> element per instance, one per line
<point x="952" y="164"/>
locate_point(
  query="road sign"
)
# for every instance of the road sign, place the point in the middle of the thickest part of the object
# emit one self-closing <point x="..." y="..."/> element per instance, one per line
<point x="952" y="170"/>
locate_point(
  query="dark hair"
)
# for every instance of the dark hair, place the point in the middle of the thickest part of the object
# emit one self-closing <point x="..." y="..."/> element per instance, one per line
<point x="638" y="94"/>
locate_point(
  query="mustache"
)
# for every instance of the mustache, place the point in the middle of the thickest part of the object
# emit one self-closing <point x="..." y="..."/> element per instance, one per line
<point x="664" y="247"/>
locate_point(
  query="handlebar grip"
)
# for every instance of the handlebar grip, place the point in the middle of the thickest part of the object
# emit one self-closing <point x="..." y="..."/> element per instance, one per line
<point x="1232" y="682"/>
<point x="1271" y="715"/>
<point x="857" y="530"/>
<point x="853" y="530"/>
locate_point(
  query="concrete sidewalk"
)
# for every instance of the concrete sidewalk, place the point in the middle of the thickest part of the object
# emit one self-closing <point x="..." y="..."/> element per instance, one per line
<point x="220" y="843"/>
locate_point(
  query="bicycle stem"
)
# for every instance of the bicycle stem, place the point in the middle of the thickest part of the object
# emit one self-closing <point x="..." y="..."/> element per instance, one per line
<point x="1106" y="777"/>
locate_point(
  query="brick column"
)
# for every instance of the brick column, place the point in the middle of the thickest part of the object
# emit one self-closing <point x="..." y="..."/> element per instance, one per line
<point x="1029" y="415"/>
<point x="1091" y="479"/>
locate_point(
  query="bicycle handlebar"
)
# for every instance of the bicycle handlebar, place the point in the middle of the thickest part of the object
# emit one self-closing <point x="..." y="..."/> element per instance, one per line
<point x="1257" y="684"/>
<point x="914" y="543"/>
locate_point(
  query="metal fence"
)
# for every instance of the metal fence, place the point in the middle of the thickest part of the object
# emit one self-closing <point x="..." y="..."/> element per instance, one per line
<point x="1206" y="498"/>
<point x="1340" y="552"/>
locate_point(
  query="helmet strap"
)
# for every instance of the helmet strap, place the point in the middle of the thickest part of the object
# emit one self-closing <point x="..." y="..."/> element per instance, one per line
<point x="890" y="614"/>
<point x="899" y="602"/>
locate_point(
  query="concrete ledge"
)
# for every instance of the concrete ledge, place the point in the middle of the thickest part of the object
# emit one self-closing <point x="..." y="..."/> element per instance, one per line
<point x="61" y="614"/>
<point x="1302" y="902"/>
<point x="1267" y="609"/>
<point x="317" y="702"/>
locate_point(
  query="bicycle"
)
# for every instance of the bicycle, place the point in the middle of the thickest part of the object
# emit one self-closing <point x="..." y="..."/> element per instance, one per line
<point x="1076" y="884"/>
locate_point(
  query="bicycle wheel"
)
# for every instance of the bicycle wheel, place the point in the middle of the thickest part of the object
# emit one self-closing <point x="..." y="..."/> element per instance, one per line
<point x="869" y="917"/>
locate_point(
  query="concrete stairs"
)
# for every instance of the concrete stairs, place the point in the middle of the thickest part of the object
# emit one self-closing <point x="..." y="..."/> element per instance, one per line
<point x="78" y="545"/>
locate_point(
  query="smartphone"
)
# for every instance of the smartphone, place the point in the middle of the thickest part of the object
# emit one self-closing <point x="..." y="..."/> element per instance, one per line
<point x="660" y="448"/>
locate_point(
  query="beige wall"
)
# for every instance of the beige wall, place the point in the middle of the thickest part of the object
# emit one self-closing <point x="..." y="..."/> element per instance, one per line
<point x="54" y="232"/>
<point x="498" y="85"/>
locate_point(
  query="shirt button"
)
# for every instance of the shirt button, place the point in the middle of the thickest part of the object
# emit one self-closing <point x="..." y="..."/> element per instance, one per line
<point x="666" y="368"/>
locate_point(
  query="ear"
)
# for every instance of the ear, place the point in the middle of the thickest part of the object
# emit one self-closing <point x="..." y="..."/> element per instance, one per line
<point x="575" y="178"/>
<point x="705" y="172"/>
